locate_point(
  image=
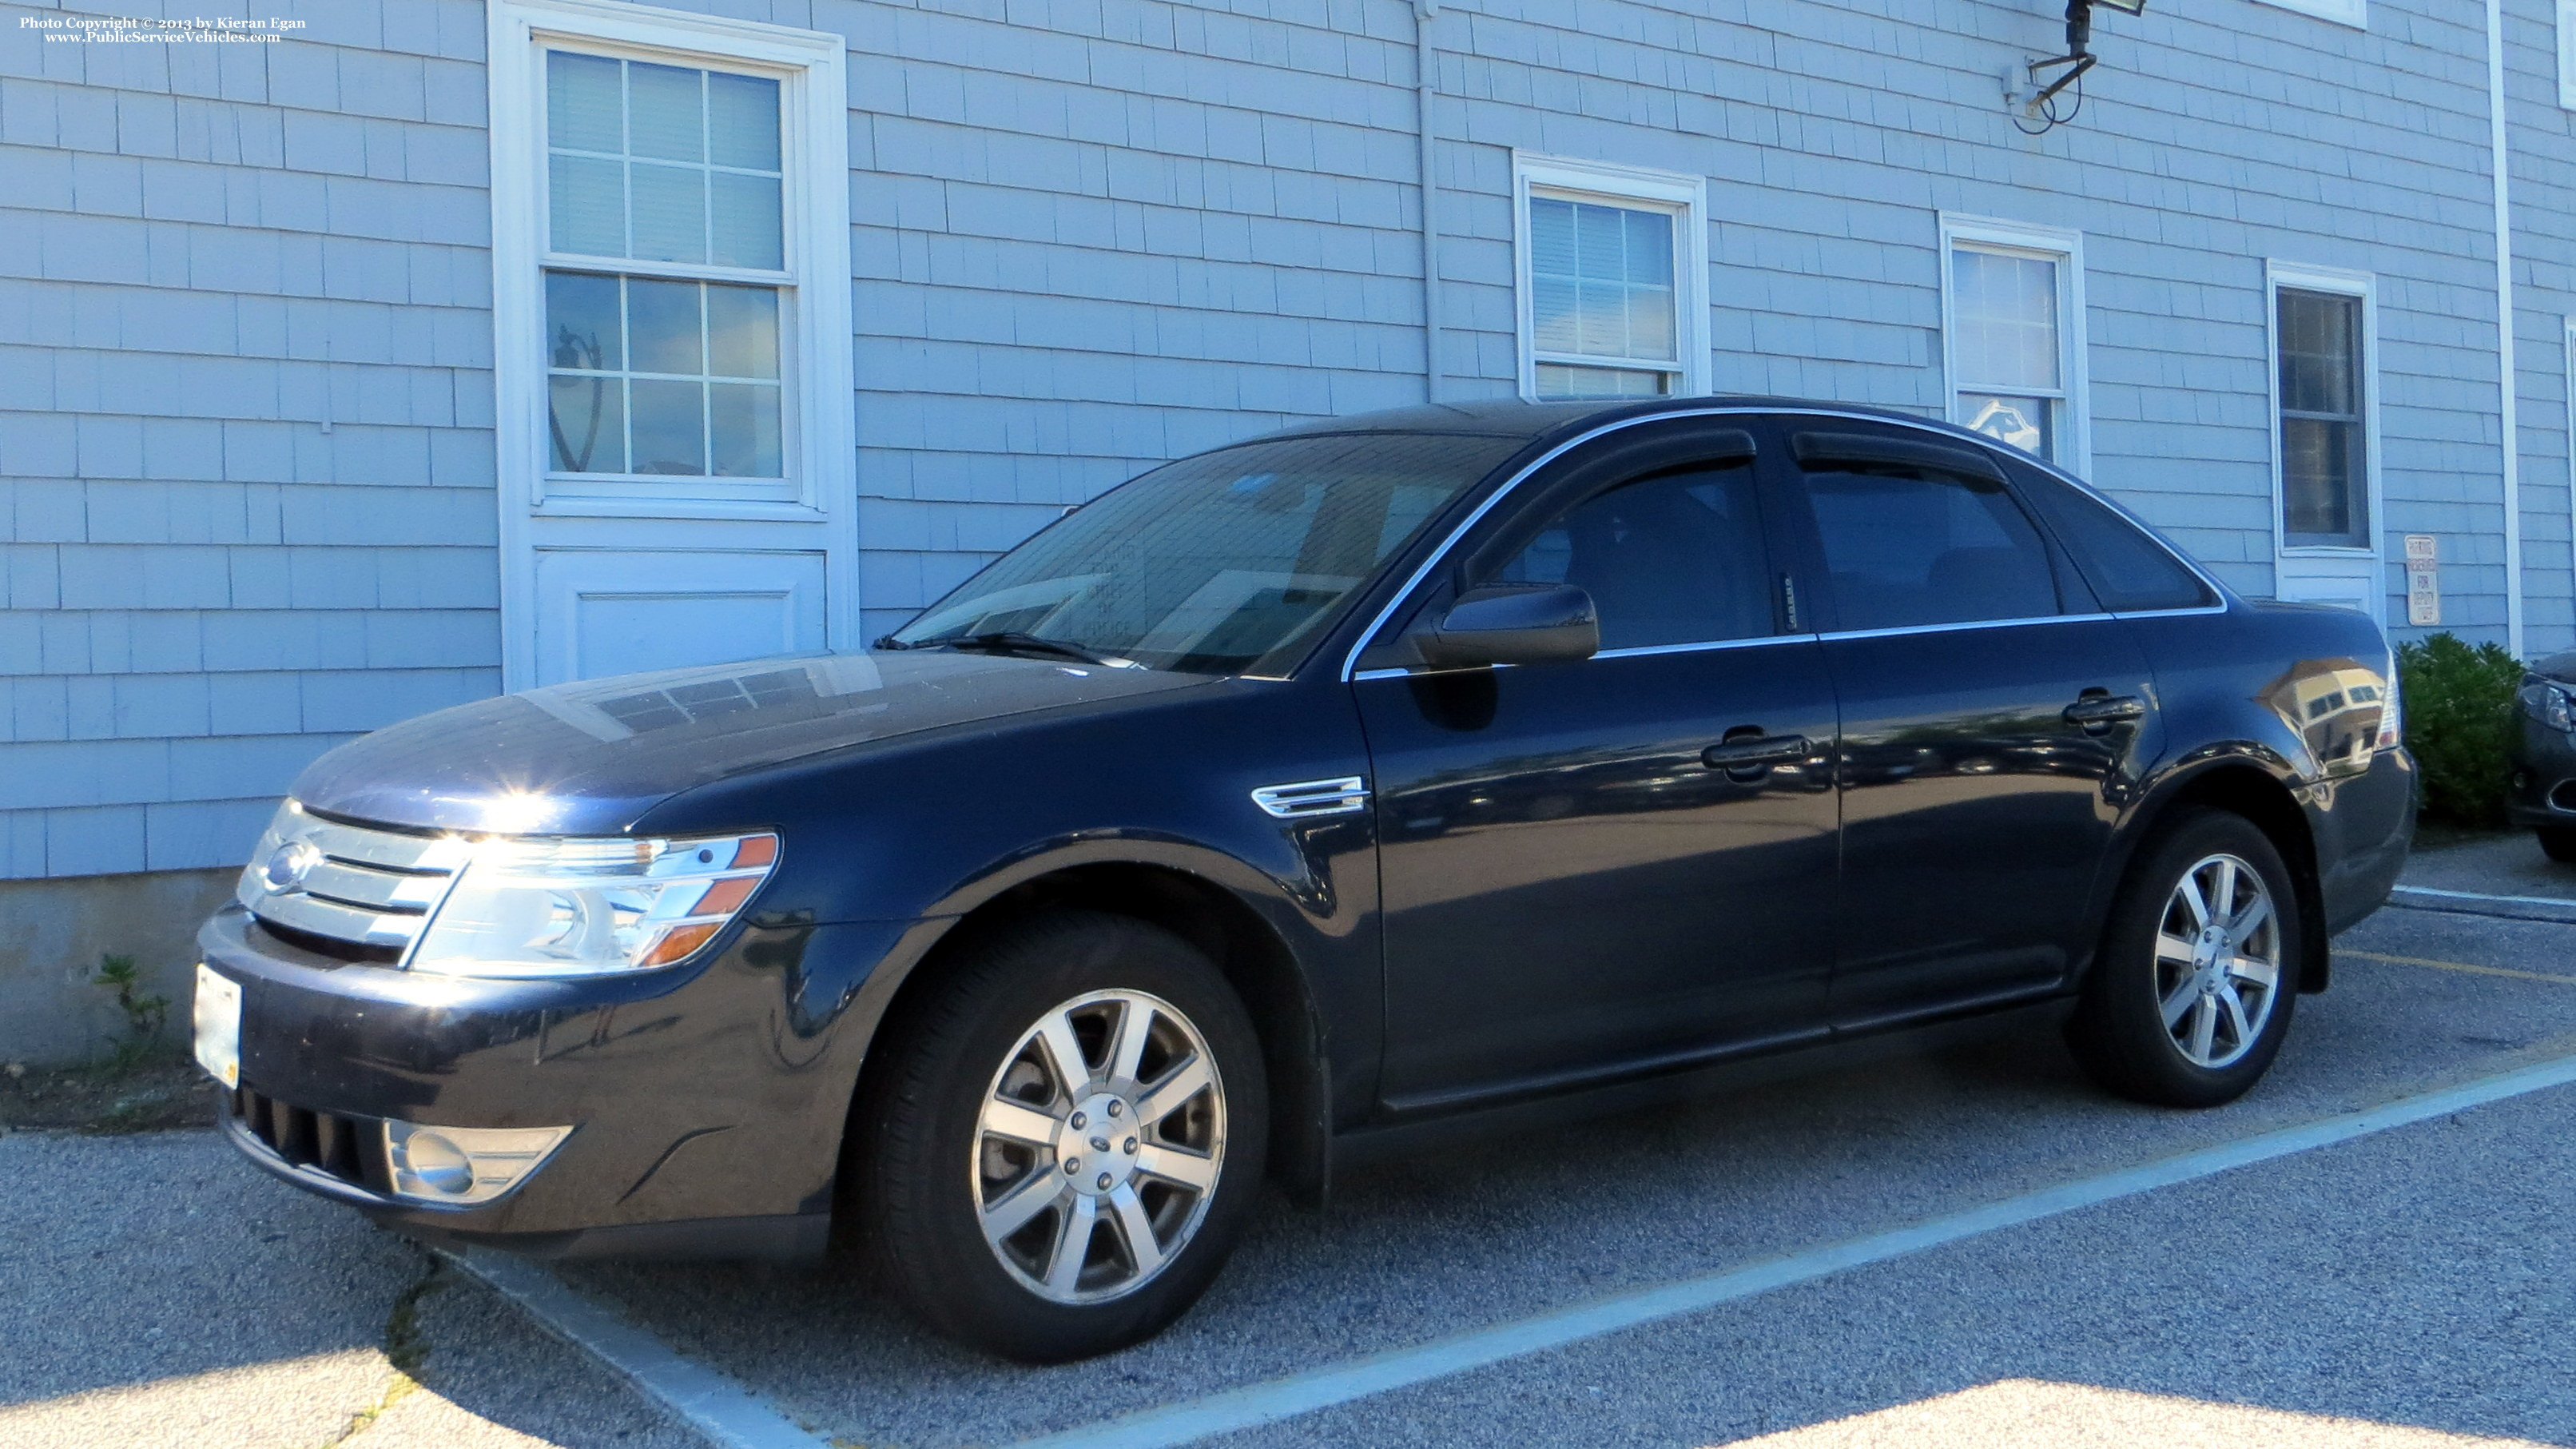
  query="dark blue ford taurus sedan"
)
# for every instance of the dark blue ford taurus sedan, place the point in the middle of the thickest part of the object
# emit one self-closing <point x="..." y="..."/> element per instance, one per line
<point x="1367" y="783"/>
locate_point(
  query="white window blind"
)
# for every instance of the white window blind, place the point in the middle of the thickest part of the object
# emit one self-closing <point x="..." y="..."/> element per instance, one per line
<point x="666" y="361"/>
<point x="662" y="163"/>
<point x="1611" y="262"/>
<point x="2007" y="348"/>
<point x="1602" y="287"/>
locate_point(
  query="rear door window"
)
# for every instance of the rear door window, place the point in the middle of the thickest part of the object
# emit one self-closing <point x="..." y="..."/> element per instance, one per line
<point x="1910" y="543"/>
<point x="2129" y="570"/>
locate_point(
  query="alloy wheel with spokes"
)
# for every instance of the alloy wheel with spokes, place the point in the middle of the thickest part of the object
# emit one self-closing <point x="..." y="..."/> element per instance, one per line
<point x="2218" y="960"/>
<point x="1065" y="1138"/>
<point x="2189" y="997"/>
<point x="1099" y="1146"/>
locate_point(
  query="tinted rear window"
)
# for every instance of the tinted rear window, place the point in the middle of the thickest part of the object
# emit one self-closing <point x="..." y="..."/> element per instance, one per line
<point x="2129" y="570"/>
<point x="1908" y="546"/>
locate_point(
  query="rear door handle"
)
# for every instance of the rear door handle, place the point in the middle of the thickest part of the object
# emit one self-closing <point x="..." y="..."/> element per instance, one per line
<point x="1759" y="752"/>
<point x="2098" y="710"/>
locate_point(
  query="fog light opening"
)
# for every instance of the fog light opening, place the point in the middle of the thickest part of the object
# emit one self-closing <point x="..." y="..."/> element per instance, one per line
<point x="464" y="1166"/>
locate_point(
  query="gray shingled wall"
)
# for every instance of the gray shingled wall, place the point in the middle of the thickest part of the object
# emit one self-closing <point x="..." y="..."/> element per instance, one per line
<point x="245" y="399"/>
<point x="245" y="419"/>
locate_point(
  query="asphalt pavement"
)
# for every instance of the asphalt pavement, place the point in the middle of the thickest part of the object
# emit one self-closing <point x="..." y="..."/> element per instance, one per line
<point x="2406" y="1286"/>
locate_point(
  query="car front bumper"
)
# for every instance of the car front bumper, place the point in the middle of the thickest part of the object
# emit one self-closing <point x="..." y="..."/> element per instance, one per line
<point x="2541" y="791"/>
<point x="707" y="1101"/>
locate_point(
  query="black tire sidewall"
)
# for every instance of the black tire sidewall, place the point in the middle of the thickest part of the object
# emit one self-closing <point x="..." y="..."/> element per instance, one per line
<point x="2118" y="1031"/>
<point x="2558" y="842"/>
<point x="921" y="1119"/>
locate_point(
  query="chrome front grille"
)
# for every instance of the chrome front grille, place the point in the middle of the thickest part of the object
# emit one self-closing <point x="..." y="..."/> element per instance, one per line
<point x="325" y="881"/>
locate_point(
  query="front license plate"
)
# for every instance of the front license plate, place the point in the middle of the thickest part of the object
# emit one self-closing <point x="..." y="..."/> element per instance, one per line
<point x="218" y="1019"/>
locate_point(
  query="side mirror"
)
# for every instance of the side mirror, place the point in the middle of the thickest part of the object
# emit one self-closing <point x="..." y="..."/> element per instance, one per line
<point x="1514" y="626"/>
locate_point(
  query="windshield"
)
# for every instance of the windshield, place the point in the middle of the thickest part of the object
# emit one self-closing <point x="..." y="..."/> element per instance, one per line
<point x="1220" y="562"/>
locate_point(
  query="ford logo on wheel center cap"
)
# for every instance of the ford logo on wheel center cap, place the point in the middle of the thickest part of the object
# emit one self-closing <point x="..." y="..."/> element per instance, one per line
<point x="287" y="868"/>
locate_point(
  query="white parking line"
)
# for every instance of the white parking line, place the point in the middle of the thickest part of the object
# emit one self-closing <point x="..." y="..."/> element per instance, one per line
<point x="729" y="1415"/>
<point x="1322" y="1388"/>
<point x="2560" y="902"/>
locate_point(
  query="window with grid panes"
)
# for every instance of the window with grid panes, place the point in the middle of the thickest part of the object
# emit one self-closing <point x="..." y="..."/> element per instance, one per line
<point x="2008" y="347"/>
<point x="665" y="278"/>
<point x="1604" y="318"/>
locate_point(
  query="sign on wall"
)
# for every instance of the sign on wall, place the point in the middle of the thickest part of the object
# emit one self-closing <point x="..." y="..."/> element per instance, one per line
<point x="2423" y="579"/>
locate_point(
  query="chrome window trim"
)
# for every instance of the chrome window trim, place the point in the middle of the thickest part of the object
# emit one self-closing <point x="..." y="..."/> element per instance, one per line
<point x="1903" y="629"/>
<point x="1636" y="651"/>
<point x="2171" y="613"/>
<point x="1633" y="651"/>
<point x="1950" y="432"/>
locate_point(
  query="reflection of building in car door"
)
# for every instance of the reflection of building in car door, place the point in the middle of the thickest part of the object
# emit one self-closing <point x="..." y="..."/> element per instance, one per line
<point x="1571" y="883"/>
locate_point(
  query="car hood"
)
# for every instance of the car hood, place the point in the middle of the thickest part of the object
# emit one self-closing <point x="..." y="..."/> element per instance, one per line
<point x="2561" y="667"/>
<point x="590" y="758"/>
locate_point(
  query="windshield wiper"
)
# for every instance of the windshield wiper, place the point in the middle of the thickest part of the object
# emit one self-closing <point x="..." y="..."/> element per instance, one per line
<point x="1012" y="641"/>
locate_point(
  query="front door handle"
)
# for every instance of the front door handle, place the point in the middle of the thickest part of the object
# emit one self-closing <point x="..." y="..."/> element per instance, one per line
<point x="1753" y="754"/>
<point x="2099" y="709"/>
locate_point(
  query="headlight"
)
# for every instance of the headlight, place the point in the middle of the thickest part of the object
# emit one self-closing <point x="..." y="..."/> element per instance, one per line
<point x="2549" y="704"/>
<point x="572" y="907"/>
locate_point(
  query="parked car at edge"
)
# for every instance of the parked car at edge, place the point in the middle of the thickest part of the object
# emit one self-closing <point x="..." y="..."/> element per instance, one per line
<point x="2542" y="792"/>
<point x="1302" y="801"/>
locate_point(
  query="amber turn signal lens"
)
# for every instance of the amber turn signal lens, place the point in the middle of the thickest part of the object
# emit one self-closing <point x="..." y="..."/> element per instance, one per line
<point x="754" y="850"/>
<point x="681" y="941"/>
<point x="726" y="896"/>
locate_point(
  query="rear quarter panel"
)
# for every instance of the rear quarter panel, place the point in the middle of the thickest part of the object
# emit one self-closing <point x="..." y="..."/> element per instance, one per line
<point x="2302" y="692"/>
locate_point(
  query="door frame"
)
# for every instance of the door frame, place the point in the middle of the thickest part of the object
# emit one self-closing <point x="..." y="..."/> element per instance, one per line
<point x="814" y="121"/>
<point x="2307" y="572"/>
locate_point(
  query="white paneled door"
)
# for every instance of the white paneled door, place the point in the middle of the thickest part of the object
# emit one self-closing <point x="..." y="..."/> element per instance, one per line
<point x="602" y="612"/>
<point x="672" y="319"/>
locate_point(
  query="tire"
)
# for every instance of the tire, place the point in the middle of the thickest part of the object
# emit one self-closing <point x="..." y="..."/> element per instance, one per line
<point x="2558" y="842"/>
<point x="2155" y="1022"/>
<point x="951" y="1130"/>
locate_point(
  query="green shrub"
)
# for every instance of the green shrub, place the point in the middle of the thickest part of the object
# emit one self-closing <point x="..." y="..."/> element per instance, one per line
<point x="2459" y="715"/>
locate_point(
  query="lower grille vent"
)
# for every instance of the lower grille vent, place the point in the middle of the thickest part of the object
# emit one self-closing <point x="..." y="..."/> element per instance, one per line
<point x="348" y="1148"/>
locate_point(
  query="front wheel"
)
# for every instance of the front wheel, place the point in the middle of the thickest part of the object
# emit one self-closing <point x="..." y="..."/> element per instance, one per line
<point x="2558" y="842"/>
<point x="2191" y="995"/>
<point x="1060" y="1157"/>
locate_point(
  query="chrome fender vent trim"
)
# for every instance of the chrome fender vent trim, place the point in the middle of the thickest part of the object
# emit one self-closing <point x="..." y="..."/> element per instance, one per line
<point x="1314" y="797"/>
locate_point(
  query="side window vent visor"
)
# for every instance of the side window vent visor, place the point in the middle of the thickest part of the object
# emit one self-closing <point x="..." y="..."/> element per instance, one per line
<point x="1815" y="448"/>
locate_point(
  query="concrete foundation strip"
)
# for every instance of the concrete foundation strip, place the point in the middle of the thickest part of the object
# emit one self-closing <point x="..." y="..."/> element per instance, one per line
<point x="733" y="1417"/>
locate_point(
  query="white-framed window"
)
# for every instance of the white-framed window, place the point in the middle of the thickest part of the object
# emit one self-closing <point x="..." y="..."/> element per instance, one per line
<point x="2012" y="330"/>
<point x="671" y="283"/>
<point x="2325" y="409"/>
<point x="2355" y="13"/>
<point x="1612" y="261"/>
<point x="2567" y="53"/>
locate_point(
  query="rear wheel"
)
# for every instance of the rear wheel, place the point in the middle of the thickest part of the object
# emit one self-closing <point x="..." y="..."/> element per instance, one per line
<point x="2558" y="841"/>
<point x="1065" y="1149"/>
<point x="2192" y="993"/>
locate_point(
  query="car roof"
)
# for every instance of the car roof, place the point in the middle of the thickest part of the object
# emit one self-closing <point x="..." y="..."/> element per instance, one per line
<point x="1518" y="418"/>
